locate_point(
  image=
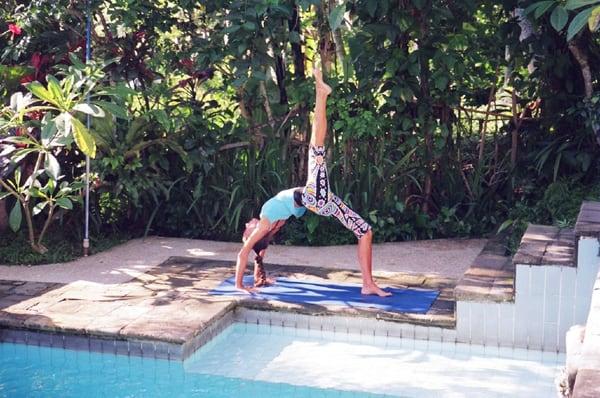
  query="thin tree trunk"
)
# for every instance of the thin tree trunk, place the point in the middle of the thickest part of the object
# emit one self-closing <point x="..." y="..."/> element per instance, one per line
<point x="582" y="59"/>
<point x="515" y="132"/>
<point x="267" y="104"/>
<point x="425" y="99"/>
<point x="324" y="40"/>
<point x="338" y="43"/>
<point x="485" y="120"/>
<point x="294" y="26"/>
<point x="280" y="75"/>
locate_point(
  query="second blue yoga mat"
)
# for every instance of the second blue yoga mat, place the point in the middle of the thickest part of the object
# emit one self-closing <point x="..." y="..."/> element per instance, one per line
<point x="343" y="294"/>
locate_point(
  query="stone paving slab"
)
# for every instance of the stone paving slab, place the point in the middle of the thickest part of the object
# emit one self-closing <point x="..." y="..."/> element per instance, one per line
<point x="490" y="277"/>
<point x="170" y="303"/>
<point x="546" y="245"/>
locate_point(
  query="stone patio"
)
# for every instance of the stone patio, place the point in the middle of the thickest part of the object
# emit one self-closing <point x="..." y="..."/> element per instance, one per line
<point x="170" y="304"/>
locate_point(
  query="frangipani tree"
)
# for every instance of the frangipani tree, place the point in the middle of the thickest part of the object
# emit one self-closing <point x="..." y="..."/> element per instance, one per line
<point x="38" y="127"/>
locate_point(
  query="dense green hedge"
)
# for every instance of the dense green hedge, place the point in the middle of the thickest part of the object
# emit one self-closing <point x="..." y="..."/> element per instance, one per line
<point x="443" y="122"/>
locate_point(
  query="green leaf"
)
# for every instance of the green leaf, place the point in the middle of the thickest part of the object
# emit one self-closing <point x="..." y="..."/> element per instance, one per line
<point x="4" y="195"/>
<point x="83" y="138"/>
<point x="542" y="8"/>
<point x="441" y="82"/>
<point x="15" y="217"/>
<point x="52" y="167"/>
<point x="49" y="130"/>
<point x="578" y="23"/>
<point x="594" y="20"/>
<point x="336" y="17"/>
<point x="55" y="90"/>
<point x="505" y="225"/>
<point x="231" y="29"/>
<point x="89" y="109"/>
<point x="40" y="91"/>
<point x="575" y="4"/>
<point x="249" y="25"/>
<point x="559" y="18"/>
<point x="65" y="203"/>
<point x="163" y="119"/>
<point x="64" y="124"/>
<point x="39" y="207"/>
<point x="113" y="109"/>
<point x="532" y="7"/>
<point x="372" y="7"/>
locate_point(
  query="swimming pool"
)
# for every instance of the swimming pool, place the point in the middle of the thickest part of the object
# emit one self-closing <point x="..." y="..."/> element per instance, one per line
<point x="248" y="360"/>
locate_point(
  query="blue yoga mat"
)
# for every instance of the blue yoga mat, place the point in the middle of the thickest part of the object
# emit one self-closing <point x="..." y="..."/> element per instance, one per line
<point x="343" y="294"/>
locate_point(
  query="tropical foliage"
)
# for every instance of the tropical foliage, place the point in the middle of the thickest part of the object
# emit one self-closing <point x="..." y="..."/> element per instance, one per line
<point x="447" y="118"/>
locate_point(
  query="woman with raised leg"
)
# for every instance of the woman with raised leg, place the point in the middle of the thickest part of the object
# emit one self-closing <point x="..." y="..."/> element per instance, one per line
<point x="315" y="196"/>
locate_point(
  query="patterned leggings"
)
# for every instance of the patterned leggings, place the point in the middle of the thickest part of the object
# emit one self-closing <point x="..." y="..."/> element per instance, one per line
<point x="318" y="198"/>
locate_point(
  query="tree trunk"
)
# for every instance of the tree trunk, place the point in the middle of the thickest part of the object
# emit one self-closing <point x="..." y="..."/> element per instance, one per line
<point x="338" y="43"/>
<point x="280" y="75"/>
<point x="425" y="106"/>
<point x="294" y="26"/>
<point x="325" y="44"/>
<point x="582" y="59"/>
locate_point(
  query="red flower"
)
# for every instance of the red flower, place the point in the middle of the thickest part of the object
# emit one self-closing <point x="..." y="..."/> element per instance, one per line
<point x="184" y="82"/>
<point x="187" y="64"/>
<point x="20" y="131"/>
<point x="14" y="29"/>
<point x="26" y="79"/>
<point x="35" y="115"/>
<point x="140" y="35"/>
<point x="36" y="60"/>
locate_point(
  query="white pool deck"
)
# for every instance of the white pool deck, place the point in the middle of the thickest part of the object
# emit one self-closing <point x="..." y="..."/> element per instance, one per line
<point x="445" y="257"/>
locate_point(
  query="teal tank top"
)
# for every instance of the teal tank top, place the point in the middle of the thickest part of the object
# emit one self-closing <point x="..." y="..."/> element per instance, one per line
<point x="282" y="207"/>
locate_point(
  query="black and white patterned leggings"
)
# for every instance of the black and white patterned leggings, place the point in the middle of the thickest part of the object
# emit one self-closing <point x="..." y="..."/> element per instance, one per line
<point x="318" y="198"/>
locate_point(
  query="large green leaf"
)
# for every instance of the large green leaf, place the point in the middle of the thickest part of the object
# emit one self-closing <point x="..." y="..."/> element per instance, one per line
<point x="542" y="8"/>
<point x="533" y="7"/>
<point x="578" y="23"/>
<point x="15" y="217"/>
<point x="64" y="123"/>
<point x="83" y="138"/>
<point x="55" y="90"/>
<point x="594" y="20"/>
<point x="559" y="18"/>
<point x="42" y="93"/>
<point x="52" y="167"/>
<point x="114" y="109"/>
<point x="48" y="130"/>
<point x="372" y="7"/>
<point x="336" y="17"/>
<point x="575" y="4"/>
<point x="65" y="203"/>
<point x="39" y="207"/>
<point x="89" y="109"/>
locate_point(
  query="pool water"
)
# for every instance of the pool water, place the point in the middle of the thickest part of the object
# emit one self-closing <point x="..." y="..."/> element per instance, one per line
<point x="268" y="361"/>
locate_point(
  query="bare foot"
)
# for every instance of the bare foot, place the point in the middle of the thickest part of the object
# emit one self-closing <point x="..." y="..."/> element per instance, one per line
<point x="321" y="85"/>
<point x="247" y="289"/>
<point x="374" y="290"/>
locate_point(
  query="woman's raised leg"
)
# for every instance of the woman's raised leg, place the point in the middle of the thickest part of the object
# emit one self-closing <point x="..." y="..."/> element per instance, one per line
<point x="319" y="126"/>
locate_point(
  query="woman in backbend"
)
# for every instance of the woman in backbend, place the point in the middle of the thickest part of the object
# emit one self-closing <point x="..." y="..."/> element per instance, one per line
<point x="316" y="197"/>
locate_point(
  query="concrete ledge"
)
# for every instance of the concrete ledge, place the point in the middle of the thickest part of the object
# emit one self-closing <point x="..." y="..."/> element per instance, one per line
<point x="489" y="278"/>
<point x="587" y="381"/>
<point x="588" y="220"/>
<point x="587" y="384"/>
<point x="546" y="245"/>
